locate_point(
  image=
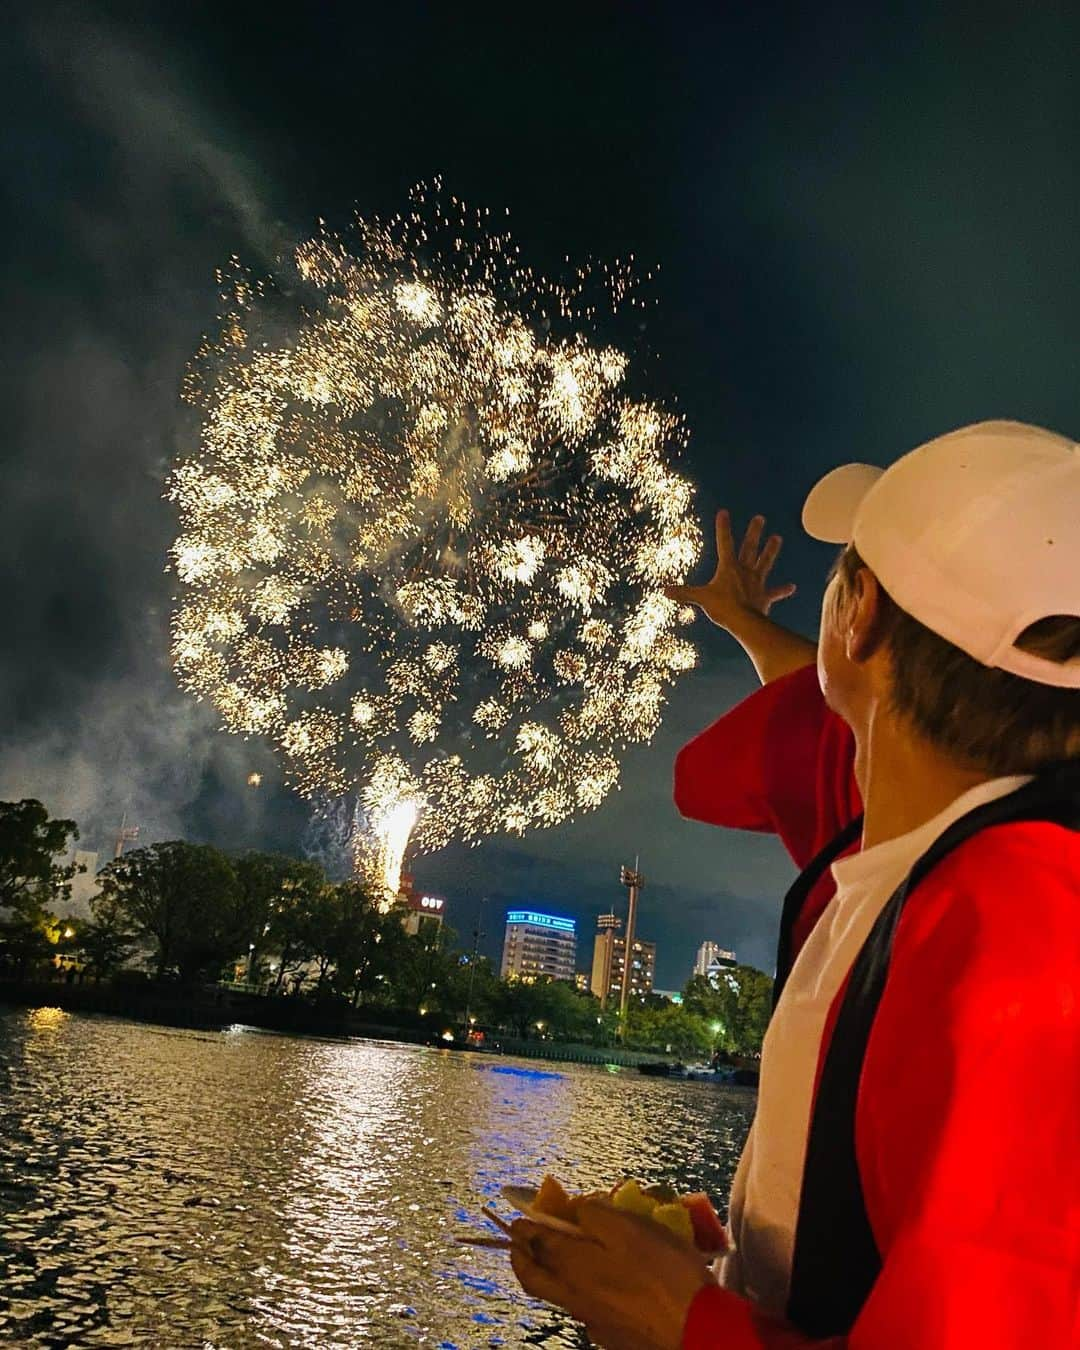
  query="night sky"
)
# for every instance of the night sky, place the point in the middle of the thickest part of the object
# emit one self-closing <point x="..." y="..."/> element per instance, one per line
<point x="867" y="229"/>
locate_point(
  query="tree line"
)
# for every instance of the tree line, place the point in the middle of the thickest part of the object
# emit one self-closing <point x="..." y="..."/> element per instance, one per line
<point x="192" y="914"/>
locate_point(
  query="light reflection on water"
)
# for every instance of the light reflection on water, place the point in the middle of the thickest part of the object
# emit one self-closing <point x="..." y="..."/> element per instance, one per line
<point x="178" y="1188"/>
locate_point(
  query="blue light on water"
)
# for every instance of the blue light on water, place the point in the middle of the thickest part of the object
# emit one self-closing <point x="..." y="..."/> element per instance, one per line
<point x="477" y="1282"/>
<point x="523" y="1073"/>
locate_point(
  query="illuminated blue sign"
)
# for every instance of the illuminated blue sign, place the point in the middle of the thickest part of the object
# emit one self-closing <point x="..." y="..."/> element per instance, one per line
<point x="540" y="920"/>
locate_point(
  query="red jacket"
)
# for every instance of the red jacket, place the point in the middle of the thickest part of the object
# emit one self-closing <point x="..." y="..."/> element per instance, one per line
<point x="968" y="1116"/>
<point x="780" y="763"/>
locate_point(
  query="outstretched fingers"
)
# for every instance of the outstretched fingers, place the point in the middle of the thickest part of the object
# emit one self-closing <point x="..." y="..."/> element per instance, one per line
<point x="769" y="554"/>
<point x="725" y="544"/>
<point x="780" y="592"/>
<point x="686" y="595"/>
<point x="748" y="550"/>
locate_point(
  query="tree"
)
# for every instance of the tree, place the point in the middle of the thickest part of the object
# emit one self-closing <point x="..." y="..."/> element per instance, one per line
<point x="183" y="898"/>
<point x="365" y="942"/>
<point x="670" y="1029"/>
<point x="27" y="941"/>
<point x="297" y="918"/>
<point x="571" y="1015"/>
<point x="474" y="989"/>
<point x="521" y="1004"/>
<point x="273" y="890"/>
<point x="553" y="1008"/>
<point x="753" y="1009"/>
<point x="423" y="978"/>
<point x="738" y="1006"/>
<point x="313" y="928"/>
<point x="713" y="1003"/>
<point x="30" y="844"/>
<point x="106" y="941"/>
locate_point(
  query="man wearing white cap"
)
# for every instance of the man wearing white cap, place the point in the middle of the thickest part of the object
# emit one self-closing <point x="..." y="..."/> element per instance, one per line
<point x="912" y="1177"/>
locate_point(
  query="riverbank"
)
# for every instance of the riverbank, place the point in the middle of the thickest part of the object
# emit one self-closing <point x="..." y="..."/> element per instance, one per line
<point x="213" y="1008"/>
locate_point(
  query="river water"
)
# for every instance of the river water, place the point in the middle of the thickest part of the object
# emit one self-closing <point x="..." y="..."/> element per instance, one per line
<point x="177" y="1188"/>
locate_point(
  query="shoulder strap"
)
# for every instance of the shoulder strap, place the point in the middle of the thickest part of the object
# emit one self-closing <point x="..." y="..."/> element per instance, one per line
<point x="836" y="1259"/>
<point x="797" y="896"/>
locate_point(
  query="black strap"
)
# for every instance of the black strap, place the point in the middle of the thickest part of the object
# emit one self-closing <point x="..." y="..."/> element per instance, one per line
<point x="836" y="1259"/>
<point x="798" y="894"/>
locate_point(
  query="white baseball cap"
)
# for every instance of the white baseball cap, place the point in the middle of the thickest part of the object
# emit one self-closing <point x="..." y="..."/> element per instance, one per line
<point x="976" y="534"/>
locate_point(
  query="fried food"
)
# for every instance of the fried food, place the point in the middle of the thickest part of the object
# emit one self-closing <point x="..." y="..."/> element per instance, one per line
<point x="690" y="1217"/>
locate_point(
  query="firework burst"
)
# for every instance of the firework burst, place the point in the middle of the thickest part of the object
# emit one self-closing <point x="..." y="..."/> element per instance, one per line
<point x="423" y="537"/>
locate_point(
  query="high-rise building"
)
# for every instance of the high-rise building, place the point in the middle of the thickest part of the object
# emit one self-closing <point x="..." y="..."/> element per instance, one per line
<point x="421" y="910"/>
<point x="712" y="960"/>
<point x="608" y="959"/>
<point x="539" y="945"/>
<point x="418" y="911"/>
<point x="603" y="962"/>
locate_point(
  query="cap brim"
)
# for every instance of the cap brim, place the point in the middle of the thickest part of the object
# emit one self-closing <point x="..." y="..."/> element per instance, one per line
<point x="829" y="511"/>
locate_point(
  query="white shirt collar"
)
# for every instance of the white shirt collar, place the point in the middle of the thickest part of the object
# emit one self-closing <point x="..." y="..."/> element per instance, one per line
<point x="902" y="852"/>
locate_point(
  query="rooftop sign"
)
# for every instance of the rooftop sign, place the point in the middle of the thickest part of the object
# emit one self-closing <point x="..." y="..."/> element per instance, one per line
<point x="426" y="904"/>
<point x="535" y="920"/>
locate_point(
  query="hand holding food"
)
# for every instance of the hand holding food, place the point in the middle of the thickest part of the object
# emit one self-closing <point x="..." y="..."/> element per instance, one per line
<point x="624" y="1262"/>
<point x="690" y="1216"/>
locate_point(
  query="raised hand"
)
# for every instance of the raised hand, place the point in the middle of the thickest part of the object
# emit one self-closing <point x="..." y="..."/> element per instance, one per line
<point x="740" y="584"/>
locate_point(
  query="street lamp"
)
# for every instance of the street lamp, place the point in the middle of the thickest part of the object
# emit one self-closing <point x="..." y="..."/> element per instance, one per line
<point x="472" y="964"/>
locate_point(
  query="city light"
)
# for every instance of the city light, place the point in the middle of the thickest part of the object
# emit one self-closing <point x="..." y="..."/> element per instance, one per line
<point x="541" y="920"/>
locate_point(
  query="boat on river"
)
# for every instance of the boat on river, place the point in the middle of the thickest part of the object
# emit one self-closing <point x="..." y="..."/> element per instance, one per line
<point x="727" y="1075"/>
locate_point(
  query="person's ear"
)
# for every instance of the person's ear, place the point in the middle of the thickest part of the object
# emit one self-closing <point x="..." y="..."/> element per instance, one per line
<point x="865" y="620"/>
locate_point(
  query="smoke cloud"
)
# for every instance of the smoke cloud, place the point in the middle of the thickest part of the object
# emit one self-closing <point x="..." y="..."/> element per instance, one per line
<point x="112" y="286"/>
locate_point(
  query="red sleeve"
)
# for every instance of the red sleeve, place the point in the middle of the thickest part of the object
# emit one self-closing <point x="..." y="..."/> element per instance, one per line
<point x="968" y="1127"/>
<point x="779" y="762"/>
<point x="721" y="1320"/>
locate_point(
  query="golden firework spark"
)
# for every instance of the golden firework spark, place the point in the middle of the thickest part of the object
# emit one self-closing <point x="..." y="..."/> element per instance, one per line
<point x="424" y="536"/>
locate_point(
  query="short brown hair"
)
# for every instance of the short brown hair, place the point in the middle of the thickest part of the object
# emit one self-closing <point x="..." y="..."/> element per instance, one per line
<point x="980" y="715"/>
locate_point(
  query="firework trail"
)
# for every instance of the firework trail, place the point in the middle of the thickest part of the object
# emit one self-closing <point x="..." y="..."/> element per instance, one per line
<point x="423" y="537"/>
